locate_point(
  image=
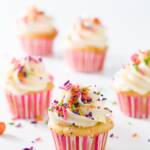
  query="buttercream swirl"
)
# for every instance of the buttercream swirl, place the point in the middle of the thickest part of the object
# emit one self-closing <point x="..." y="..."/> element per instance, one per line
<point x="136" y="75"/>
<point x="35" y="22"/>
<point x="87" y="32"/>
<point x="27" y="75"/>
<point x="79" y="106"/>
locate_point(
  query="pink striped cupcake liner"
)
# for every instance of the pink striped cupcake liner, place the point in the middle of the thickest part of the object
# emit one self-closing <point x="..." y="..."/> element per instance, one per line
<point x="135" y="106"/>
<point x="29" y="106"/>
<point x="63" y="142"/>
<point x="85" y="61"/>
<point x="40" y="47"/>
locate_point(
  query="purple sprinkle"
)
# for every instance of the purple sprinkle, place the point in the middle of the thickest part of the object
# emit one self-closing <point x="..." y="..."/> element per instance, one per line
<point x="55" y="101"/>
<point x="40" y="59"/>
<point x="148" y="140"/>
<point x="31" y="148"/>
<point x="103" y="99"/>
<point x="66" y="83"/>
<point x="89" y="115"/>
<point x="111" y="135"/>
<point x="21" y="68"/>
<point x="29" y="58"/>
<point x="89" y="100"/>
<point x="34" y="122"/>
<point x="65" y="104"/>
<point x="18" y="125"/>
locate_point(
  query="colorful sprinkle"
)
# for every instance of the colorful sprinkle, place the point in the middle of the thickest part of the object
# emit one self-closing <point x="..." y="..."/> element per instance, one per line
<point x="135" y="135"/>
<point x="2" y="127"/>
<point x="111" y="135"/>
<point x="31" y="148"/>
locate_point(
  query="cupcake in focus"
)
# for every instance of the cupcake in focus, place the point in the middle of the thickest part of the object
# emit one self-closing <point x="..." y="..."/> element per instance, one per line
<point x="132" y="84"/>
<point x="78" y="118"/>
<point x="36" y="32"/>
<point x="28" y="88"/>
<point x="86" y="45"/>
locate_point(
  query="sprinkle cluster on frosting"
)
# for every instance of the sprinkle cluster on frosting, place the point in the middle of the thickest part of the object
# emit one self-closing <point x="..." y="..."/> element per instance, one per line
<point x="86" y="33"/>
<point x="139" y="58"/>
<point x="33" y="15"/>
<point x="90" y="24"/>
<point x="27" y="74"/>
<point x="23" y="73"/>
<point x="78" y="99"/>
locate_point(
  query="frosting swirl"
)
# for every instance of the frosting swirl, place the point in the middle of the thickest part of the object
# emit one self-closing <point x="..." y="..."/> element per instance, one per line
<point x="35" y="22"/>
<point x="136" y="75"/>
<point x="87" y="32"/>
<point x="79" y="106"/>
<point x="27" y="75"/>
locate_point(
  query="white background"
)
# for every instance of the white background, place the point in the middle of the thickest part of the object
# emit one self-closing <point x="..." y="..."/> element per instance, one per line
<point x="128" y="29"/>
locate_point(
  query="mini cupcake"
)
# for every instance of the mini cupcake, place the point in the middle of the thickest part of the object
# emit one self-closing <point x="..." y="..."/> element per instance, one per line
<point x="78" y="118"/>
<point x="86" y="45"/>
<point x="28" y="88"/>
<point x="36" y="32"/>
<point x="132" y="84"/>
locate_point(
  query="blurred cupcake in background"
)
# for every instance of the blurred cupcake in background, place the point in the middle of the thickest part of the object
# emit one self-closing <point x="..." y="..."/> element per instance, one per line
<point x="28" y="88"/>
<point x="78" y="118"/>
<point x="36" y="32"/>
<point x="132" y="84"/>
<point x="86" y="45"/>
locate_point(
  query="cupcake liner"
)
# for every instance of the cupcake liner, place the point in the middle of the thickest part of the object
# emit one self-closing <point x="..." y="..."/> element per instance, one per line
<point x="37" y="46"/>
<point x="29" y="106"/>
<point x="134" y="106"/>
<point x="86" y="61"/>
<point x="63" y="142"/>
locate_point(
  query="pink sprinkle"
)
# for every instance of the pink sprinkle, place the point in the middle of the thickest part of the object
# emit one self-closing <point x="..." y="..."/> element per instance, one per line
<point x="142" y="72"/>
<point x="64" y="113"/>
<point x="51" y="78"/>
<point x="134" y="57"/>
<point x="38" y="139"/>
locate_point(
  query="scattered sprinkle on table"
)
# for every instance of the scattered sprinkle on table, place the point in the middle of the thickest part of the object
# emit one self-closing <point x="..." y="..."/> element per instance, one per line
<point x="34" y="122"/>
<point x="111" y="135"/>
<point x="11" y="123"/>
<point x="114" y="103"/>
<point x="135" y="135"/>
<point x="129" y="123"/>
<point x="31" y="148"/>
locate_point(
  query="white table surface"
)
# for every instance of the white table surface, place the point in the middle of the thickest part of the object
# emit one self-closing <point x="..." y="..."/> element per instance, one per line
<point x="127" y="24"/>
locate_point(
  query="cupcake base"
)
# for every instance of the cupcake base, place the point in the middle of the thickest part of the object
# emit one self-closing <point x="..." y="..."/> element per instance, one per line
<point x="80" y="138"/>
<point x="134" y="106"/>
<point x="37" y="46"/>
<point x="85" y="61"/>
<point x="63" y="142"/>
<point x="29" y="106"/>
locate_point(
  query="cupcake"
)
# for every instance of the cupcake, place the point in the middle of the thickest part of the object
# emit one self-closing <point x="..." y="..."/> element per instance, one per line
<point x="28" y="88"/>
<point x="86" y="45"/>
<point x="132" y="84"/>
<point x="36" y="32"/>
<point x="78" y="119"/>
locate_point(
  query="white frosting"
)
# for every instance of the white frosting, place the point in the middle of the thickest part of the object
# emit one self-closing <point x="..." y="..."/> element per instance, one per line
<point x="129" y="79"/>
<point x="35" y="22"/>
<point x="36" y="79"/>
<point x="80" y="37"/>
<point x="98" y="114"/>
<point x="44" y="25"/>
